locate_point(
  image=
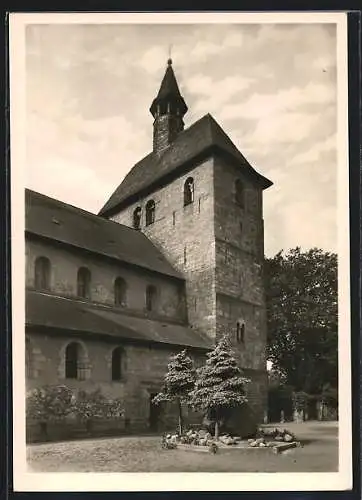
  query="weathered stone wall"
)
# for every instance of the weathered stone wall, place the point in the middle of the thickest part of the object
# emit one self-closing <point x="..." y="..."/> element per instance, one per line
<point x="65" y="264"/>
<point x="143" y="370"/>
<point x="239" y="281"/>
<point x="185" y="235"/>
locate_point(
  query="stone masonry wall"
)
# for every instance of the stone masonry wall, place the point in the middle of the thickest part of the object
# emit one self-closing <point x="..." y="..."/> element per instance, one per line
<point x="65" y="264"/>
<point x="186" y="237"/>
<point x="143" y="371"/>
<point x="239" y="282"/>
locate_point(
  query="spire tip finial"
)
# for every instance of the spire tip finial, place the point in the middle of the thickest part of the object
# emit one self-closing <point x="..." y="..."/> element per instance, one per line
<point x="169" y="60"/>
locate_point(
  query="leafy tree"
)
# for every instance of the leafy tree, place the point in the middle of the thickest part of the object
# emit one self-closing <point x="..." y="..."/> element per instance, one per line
<point x="49" y="403"/>
<point x="179" y="381"/>
<point x="301" y="294"/>
<point x="91" y="406"/>
<point x="219" y="384"/>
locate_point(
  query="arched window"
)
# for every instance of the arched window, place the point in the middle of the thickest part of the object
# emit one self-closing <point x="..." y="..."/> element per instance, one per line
<point x="42" y="273"/>
<point x="150" y="212"/>
<point x="137" y="217"/>
<point x="28" y="359"/>
<point x="151" y="295"/>
<point x="120" y="292"/>
<point x="83" y="283"/>
<point x="72" y="360"/>
<point x="239" y="193"/>
<point x="188" y="191"/>
<point x="117" y="363"/>
<point x="240" y="332"/>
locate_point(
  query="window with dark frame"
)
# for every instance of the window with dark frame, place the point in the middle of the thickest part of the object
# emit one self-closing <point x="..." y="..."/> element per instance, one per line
<point x="71" y="360"/>
<point x="151" y="294"/>
<point x="84" y="283"/>
<point x="137" y="213"/>
<point x="120" y="292"/>
<point x="42" y="273"/>
<point x="188" y="191"/>
<point x="240" y="332"/>
<point x="117" y="363"/>
<point x="150" y="212"/>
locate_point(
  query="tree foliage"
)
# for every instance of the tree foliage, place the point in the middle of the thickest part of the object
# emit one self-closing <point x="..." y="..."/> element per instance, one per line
<point x="301" y="294"/>
<point x="179" y="381"/>
<point x="220" y="384"/>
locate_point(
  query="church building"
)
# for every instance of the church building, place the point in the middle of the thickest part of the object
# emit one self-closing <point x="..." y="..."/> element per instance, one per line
<point x="173" y="260"/>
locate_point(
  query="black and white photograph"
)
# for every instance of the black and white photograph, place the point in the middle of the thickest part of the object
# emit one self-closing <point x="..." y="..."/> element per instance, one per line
<point x="180" y="246"/>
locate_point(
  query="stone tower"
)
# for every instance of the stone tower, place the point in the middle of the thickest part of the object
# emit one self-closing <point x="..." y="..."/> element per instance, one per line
<point x="199" y="200"/>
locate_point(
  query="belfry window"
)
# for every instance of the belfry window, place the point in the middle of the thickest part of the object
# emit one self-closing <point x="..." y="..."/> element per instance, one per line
<point x="120" y="292"/>
<point x="239" y="193"/>
<point x="188" y="191"/>
<point x="117" y="363"/>
<point x="83" y="283"/>
<point x="240" y="332"/>
<point x="137" y="217"/>
<point x="42" y="273"/>
<point x="151" y="296"/>
<point x="150" y="212"/>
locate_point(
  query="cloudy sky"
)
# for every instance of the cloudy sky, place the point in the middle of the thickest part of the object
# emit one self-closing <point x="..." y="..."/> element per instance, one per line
<point x="271" y="87"/>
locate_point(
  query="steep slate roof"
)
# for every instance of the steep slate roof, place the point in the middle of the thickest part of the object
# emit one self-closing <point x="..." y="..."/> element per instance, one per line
<point x="45" y="310"/>
<point x="200" y="139"/>
<point x="64" y="223"/>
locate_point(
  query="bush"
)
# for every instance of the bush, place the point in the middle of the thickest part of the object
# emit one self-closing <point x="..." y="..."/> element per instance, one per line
<point x="91" y="406"/>
<point x="49" y="404"/>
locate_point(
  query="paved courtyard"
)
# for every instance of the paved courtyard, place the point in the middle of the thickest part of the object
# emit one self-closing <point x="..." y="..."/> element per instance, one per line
<point x="144" y="454"/>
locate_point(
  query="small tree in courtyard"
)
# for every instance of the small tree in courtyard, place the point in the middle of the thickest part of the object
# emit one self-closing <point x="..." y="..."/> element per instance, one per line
<point x="179" y="381"/>
<point x="220" y="385"/>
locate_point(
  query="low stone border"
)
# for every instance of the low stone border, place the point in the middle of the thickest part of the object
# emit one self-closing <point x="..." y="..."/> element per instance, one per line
<point x="276" y="448"/>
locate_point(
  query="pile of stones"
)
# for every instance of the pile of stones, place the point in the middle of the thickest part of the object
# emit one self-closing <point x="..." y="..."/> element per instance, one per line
<point x="269" y="437"/>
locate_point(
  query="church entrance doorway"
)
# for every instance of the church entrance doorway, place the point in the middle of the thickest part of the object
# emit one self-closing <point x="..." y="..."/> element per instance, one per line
<point x="155" y="413"/>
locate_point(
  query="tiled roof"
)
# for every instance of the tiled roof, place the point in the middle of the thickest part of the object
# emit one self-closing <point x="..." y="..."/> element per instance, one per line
<point x="73" y="316"/>
<point x="201" y="138"/>
<point x="64" y="223"/>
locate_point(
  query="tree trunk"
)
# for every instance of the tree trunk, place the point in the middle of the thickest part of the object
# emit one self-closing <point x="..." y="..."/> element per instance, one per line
<point x="89" y="425"/>
<point x="180" y="419"/>
<point x="44" y="429"/>
<point x="216" y="429"/>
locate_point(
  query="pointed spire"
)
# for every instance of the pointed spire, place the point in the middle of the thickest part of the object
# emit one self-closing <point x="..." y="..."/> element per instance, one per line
<point x="169" y="93"/>
<point x="168" y="110"/>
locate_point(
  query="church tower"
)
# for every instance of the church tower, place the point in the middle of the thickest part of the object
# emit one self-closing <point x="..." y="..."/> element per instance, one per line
<point x="199" y="201"/>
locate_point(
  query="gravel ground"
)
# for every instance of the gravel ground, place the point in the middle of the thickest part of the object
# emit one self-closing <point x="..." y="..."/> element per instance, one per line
<point x="144" y="454"/>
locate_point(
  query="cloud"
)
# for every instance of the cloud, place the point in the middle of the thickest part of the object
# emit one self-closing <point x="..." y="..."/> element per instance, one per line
<point x="259" y="106"/>
<point x="314" y="153"/>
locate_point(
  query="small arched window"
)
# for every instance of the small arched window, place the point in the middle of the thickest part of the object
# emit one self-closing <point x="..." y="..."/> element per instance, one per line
<point x="239" y="193"/>
<point x="151" y="296"/>
<point x="42" y="273"/>
<point x="240" y="332"/>
<point x="72" y="353"/>
<point x="150" y="212"/>
<point x="83" y="283"/>
<point x="120" y="292"/>
<point x="188" y="191"/>
<point x="117" y="363"/>
<point x="137" y="217"/>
